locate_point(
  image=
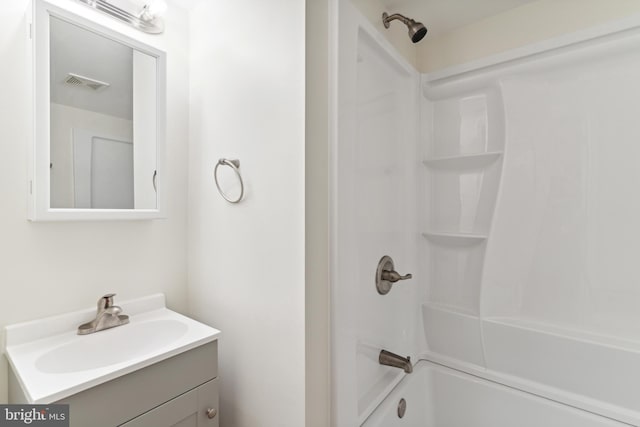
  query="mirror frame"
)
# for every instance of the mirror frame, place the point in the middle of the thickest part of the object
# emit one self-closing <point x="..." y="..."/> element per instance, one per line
<point x="39" y="186"/>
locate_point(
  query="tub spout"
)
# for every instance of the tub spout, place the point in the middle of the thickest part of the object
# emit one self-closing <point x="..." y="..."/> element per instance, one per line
<point x="390" y="359"/>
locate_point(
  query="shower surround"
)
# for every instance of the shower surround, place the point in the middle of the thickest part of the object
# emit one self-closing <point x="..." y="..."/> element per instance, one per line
<point x="507" y="187"/>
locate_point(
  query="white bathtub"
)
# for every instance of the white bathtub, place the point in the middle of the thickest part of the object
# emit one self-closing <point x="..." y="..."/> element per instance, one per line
<point x="441" y="397"/>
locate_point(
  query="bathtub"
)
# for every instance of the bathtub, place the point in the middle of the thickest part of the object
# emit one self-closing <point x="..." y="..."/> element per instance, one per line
<point x="437" y="396"/>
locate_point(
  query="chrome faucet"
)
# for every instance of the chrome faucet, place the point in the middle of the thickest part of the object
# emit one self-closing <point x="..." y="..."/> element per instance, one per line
<point x="390" y="359"/>
<point x="108" y="316"/>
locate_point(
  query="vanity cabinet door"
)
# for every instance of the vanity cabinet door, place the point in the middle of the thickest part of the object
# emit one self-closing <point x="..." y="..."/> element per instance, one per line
<point x="208" y="404"/>
<point x="191" y="409"/>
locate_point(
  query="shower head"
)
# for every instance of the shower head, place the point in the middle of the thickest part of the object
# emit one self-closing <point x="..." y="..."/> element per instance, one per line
<point x="417" y="30"/>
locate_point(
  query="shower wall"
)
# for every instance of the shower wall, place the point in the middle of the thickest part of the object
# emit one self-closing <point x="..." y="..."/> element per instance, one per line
<point x="462" y="147"/>
<point x="508" y="190"/>
<point x="532" y="219"/>
<point x="375" y="214"/>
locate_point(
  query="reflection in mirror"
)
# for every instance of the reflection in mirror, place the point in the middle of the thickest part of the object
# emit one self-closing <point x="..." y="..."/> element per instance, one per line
<point x="102" y="122"/>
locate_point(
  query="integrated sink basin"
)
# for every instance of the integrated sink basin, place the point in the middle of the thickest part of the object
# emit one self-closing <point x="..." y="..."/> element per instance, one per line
<point x="111" y="346"/>
<point x="51" y="361"/>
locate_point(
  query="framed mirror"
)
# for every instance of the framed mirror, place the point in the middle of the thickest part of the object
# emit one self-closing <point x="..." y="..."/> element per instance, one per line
<point x="98" y="146"/>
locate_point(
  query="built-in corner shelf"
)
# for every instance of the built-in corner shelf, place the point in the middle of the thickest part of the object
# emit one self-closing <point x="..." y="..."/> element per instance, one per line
<point x="463" y="161"/>
<point x="458" y="239"/>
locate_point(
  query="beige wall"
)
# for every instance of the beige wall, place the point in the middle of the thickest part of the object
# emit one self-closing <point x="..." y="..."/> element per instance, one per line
<point x="533" y="22"/>
<point x="517" y="27"/>
<point x="51" y="268"/>
<point x="396" y="33"/>
<point x="317" y="215"/>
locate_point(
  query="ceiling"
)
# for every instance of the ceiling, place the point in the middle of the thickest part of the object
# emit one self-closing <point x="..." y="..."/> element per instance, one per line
<point x="78" y="51"/>
<point x="441" y="16"/>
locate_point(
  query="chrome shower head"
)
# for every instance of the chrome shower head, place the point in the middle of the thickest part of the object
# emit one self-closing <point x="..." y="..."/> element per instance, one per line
<point x="417" y="30"/>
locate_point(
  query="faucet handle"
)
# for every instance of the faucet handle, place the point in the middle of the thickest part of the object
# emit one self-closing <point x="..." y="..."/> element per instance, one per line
<point x="105" y="301"/>
<point x="386" y="275"/>
<point x="393" y="276"/>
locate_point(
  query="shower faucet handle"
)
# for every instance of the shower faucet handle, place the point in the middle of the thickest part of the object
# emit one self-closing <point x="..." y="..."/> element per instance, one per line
<point x="393" y="276"/>
<point x="386" y="275"/>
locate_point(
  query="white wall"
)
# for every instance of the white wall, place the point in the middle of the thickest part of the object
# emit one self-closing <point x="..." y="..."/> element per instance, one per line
<point x="517" y="27"/>
<point x="246" y="261"/>
<point x="49" y="268"/>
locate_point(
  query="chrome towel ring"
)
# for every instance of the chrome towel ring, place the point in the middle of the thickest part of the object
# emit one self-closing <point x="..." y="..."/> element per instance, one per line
<point x="233" y="164"/>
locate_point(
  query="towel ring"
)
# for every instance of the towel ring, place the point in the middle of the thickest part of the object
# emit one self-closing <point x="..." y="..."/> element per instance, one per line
<point x="233" y="164"/>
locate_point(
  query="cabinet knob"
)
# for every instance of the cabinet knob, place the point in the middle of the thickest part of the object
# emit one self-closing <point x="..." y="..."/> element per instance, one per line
<point x="212" y="412"/>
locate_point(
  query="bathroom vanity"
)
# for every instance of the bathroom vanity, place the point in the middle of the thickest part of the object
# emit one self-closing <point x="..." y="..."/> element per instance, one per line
<point x="158" y="370"/>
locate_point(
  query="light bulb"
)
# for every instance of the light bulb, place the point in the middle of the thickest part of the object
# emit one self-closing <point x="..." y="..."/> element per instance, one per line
<point x="153" y="9"/>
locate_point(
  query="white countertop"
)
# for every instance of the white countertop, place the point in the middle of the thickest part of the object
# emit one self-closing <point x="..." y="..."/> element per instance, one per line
<point x="52" y="362"/>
